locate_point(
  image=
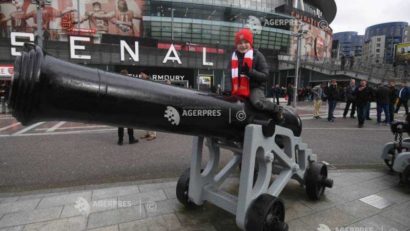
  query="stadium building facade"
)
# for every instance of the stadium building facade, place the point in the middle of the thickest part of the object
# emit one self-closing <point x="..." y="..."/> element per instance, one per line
<point x="186" y="41"/>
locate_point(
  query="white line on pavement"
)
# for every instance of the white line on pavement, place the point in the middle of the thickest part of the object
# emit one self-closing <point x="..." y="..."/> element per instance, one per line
<point x="55" y="127"/>
<point x="353" y="129"/>
<point x="27" y="129"/>
<point x="61" y="133"/>
<point x="76" y="127"/>
<point x="10" y="126"/>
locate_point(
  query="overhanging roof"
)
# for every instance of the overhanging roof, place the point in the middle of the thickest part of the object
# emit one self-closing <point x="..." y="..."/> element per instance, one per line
<point x="328" y="7"/>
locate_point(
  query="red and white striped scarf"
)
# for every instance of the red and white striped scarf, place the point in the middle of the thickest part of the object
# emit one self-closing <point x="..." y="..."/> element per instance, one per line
<point x="240" y="83"/>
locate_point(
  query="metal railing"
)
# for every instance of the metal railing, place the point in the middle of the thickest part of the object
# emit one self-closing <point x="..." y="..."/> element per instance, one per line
<point x="359" y="67"/>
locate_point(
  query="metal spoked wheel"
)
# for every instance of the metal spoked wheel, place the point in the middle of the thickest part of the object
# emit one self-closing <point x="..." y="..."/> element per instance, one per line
<point x="316" y="180"/>
<point x="266" y="213"/>
<point x="182" y="190"/>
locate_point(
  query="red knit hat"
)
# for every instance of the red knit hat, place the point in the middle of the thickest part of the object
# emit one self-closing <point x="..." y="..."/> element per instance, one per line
<point x="244" y="34"/>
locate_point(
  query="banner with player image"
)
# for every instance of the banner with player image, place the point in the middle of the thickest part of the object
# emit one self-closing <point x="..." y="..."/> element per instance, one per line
<point x="72" y="17"/>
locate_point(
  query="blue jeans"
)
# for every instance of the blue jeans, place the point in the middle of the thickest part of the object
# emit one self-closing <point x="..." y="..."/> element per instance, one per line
<point x="368" y="110"/>
<point x="385" y="108"/>
<point x="331" y="109"/>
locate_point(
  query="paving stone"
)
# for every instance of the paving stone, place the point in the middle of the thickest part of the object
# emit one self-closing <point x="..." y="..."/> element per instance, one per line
<point x="26" y="217"/>
<point x="166" y="222"/>
<point x="114" y="192"/>
<point x="394" y="195"/>
<point x="296" y="209"/>
<point x="333" y="218"/>
<point x="353" y="192"/>
<point x="8" y="199"/>
<point x="16" y="228"/>
<point x="328" y="200"/>
<point x="111" y="217"/>
<point x="297" y="225"/>
<point x="399" y="213"/>
<point x="108" y="228"/>
<point x="202" y="227"/>
<point x="170" y="192"/>
<point x="95" y="206"/>
<point x="380" y="223"/>
<point x="226" y="224"/>
<point x="142" y="198"/>
<point x="64" y="199"/>
<point x="207" y="213"/>
<point x="68" y="224"/>
<point x="359" y="209"/>
<point x="39" y="195"/>
<point x="15" y="206"/>
<point x="156" y="186"/>
<point x="162" y="207"/>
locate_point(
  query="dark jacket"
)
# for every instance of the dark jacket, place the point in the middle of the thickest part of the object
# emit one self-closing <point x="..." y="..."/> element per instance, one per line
<point x="383" y="95"/>
<point x="258" y="76"/>
<point x="332" y="93"/>
<point x="393" y="94"/>
<point x="363" y="97"/>
<point x="404" y="93"/>
<point x="349" y="93"/>
<point x="277" y="92"/>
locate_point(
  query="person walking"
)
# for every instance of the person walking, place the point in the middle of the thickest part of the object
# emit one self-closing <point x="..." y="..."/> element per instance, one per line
<point x="363" y="95"/>
<point x="369" y="103"/>
<point x="351" y="62"/>
<point x="342" y="63"/>
<point x="277" y="91"/>
<point x="130" y="131"/>
<point x="317" y="100"/>
<point x="332" y="94"/>
<point x="350" y="99"/>
<point x="289" y="92"/>
<point x="393" y="97"/>
<point x="403" y="98"/>
<point x="383" y="100"/>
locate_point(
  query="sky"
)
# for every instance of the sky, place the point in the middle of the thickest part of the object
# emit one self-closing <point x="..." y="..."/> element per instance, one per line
<point x="356" y="15"/>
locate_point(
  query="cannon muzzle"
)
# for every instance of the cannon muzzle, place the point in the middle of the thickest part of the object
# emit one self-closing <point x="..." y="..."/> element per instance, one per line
<point x="45" y="88"/>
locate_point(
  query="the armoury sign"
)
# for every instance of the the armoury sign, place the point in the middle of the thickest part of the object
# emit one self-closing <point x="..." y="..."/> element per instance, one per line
<point x="172" y="55"/>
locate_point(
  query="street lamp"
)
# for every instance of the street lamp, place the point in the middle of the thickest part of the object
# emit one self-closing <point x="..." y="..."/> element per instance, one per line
<point x="299" y="35"/>
<point x="40" y="22"/>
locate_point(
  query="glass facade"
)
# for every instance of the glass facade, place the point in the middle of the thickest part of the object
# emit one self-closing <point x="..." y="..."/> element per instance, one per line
<point x="211" y="23"/>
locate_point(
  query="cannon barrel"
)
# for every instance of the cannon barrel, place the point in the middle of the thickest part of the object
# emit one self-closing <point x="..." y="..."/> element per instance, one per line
<point x="45" y="88"/>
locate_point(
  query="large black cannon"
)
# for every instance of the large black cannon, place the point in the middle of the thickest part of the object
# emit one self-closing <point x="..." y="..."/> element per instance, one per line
<point x="45" y="88"/>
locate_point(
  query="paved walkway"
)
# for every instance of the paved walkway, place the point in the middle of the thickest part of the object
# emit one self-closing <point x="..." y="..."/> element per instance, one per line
<point x="153" y="206"/>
